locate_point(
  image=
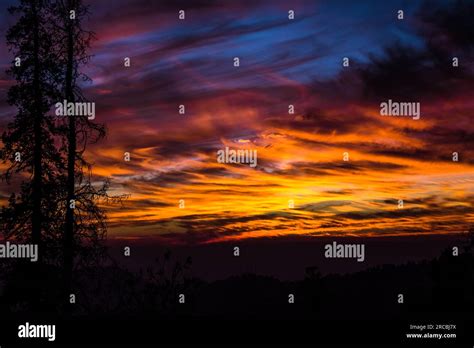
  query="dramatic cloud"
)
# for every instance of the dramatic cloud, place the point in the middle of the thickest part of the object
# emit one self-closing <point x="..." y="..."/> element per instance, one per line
<point x="300" y="155"/>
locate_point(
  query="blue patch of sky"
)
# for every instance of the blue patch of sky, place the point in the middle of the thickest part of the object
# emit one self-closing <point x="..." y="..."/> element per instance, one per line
<point x="308" y="48"/>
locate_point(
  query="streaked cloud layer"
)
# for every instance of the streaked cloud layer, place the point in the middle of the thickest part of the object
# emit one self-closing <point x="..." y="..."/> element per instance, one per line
<point x="300" y="155"/>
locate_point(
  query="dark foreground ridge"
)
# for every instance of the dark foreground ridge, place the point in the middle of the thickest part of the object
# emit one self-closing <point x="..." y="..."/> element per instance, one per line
<point x="438" y="291"/>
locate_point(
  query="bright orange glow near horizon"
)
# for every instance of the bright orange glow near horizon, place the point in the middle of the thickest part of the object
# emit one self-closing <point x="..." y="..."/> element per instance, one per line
<point x="332" y="197"/>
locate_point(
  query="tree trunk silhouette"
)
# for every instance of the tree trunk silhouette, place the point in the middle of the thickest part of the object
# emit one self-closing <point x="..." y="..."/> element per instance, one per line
<point x="71" y="160"/>
<point x="49" y="48"/>
<point x="84" y="227"/>
<point x="30" y="136"/>
<point x="37" y="169"/>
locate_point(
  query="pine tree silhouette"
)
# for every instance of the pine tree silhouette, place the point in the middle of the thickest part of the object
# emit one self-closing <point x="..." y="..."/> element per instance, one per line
<point x="52" y="47"/>
<point x="84" y="221"/>
<point x="29" y="140"/>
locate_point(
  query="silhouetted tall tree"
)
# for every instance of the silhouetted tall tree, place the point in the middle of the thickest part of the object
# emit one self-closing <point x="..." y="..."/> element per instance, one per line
<point x="84" y="220"/>
<point x="28" y="141"/>
<point x="50" y="47"/>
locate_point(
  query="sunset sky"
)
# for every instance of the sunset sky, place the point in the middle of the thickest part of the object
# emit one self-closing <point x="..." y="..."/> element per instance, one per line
<point x="300" y="155"/>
